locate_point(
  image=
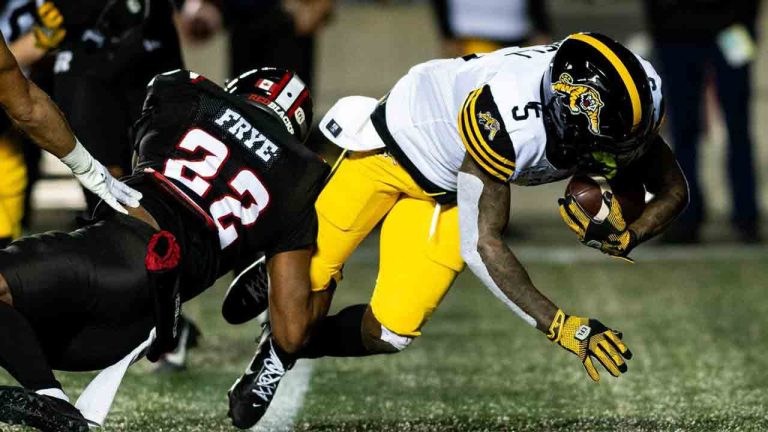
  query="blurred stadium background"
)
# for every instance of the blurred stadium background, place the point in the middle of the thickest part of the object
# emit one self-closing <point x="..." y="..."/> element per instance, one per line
<point x="694" y="315"/>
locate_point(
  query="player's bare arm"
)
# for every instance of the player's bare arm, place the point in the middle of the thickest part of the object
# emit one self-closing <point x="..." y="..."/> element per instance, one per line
<point x="31" y="109"/>
<point x="34" y="113"/>
<point x="293" y="307"/>
<point x="483" y="214"/>
<point x="662" y="177"/>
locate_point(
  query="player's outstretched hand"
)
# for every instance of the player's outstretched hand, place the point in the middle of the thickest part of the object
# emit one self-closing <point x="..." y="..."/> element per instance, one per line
<point x="96" y="178"/>
<point x="588" y="339"/>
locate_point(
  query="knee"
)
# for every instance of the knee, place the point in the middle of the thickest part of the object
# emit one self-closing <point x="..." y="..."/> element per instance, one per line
<point x="378" y="339"/>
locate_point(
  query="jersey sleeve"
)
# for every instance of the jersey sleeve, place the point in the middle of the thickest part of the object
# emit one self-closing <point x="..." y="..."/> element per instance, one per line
<point x="485" y="136"/>
<point x="298" y="233"/>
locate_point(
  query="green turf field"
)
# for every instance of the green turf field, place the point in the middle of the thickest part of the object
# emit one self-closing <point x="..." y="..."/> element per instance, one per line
<point x="696" y="329"/>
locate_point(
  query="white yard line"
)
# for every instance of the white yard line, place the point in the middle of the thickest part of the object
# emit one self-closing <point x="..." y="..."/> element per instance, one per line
<point x="288" y="400"/>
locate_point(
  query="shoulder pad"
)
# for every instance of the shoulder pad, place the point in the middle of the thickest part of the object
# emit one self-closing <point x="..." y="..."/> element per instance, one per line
<point x="485" y="136"/>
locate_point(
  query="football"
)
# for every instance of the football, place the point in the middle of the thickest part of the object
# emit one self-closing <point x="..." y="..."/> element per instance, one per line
<point x="588" y="191"/>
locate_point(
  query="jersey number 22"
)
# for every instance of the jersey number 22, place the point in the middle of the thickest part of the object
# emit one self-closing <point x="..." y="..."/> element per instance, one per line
<point x="243" y="183"/>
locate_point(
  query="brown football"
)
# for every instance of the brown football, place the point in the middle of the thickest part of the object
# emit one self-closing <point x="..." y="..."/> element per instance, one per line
<point x="586" y="190"/>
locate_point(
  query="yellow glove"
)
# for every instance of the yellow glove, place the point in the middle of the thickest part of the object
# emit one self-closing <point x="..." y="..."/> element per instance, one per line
<point x="50" y="32"/>
<point x="610" y="236"/>
<point x="589" y="338"/>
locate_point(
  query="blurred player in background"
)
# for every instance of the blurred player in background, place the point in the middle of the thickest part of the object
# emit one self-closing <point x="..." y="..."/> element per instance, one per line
<point x="224" y="178"/>
<point x="718" y="40"/>
<point x="435" y="163"/>
<point x="475" y="26"/>
<point x="107" y="51"/>
<point x="277" y="33"/>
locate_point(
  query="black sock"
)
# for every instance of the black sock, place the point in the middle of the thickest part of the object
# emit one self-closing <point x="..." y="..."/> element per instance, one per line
<point x="338" y="335"/>
<point x="20" y="351"/>
<point x="4" y="242"/>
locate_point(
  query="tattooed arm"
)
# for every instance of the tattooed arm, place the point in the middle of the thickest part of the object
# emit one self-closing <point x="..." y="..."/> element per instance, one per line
<point x="483" y="213"/>
<point x="662" y="176"/>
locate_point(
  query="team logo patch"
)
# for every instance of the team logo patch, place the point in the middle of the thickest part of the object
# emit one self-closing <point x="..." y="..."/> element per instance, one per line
<point x="489" y="123"/>
<point x="334" y="128"/>
<point x="582" y="99"/>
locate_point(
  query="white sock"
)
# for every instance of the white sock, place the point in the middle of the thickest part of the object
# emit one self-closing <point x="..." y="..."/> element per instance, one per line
<point x="54" y="392"/>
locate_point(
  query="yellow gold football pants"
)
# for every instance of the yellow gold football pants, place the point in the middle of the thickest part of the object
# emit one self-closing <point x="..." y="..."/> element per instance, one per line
<point x="419" y="247"/>
<point x="13" y="181"/>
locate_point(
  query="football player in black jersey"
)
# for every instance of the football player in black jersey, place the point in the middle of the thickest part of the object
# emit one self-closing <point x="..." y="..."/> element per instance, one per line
<point x="224" y="178"/>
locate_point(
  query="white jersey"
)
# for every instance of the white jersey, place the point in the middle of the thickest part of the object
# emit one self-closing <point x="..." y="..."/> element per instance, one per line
<point x="498" y="95"/>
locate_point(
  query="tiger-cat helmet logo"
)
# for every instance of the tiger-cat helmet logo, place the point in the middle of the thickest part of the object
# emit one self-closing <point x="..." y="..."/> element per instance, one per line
<point x="582" y="99"/>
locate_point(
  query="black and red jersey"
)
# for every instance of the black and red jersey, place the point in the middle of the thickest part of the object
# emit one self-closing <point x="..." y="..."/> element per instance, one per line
<point x="235" y="167"/>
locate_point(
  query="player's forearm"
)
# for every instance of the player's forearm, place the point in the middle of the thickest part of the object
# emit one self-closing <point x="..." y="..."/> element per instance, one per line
<point x="508" y="280"/>
<point x="660" y="212"/>
<point x="36" y="114"/>
<point x="666" y="181"/>
<point x="483" y="213"/>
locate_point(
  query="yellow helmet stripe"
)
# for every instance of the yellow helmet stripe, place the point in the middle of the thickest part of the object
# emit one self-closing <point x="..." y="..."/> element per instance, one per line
<point x="495" y="157"/>
<point x="634" y="95"/>
<point x="470" y="148"/>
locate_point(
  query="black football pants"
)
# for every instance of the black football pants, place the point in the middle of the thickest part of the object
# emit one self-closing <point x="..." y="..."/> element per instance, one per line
<point x="85" y="294"/>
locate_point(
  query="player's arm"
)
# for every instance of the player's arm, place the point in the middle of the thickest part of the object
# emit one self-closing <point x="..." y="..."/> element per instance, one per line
<point x="662" y="177"/>
<point x="34" y="113"/>
<point x="483" y="214"/>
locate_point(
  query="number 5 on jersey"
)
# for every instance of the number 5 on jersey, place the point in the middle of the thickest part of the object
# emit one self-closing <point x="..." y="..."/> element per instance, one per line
<point x="196" y="176"/>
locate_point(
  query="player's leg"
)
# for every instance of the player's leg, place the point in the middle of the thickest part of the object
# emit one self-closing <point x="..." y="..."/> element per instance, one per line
<point x="734" y="89"/>
<point x="360" y="193"/>
<point x="59" y="284"/>
<point x="416" y="270"/>
<point x="683" y="68"/>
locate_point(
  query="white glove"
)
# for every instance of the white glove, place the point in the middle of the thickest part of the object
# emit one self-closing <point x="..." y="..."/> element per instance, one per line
<point x="97" y="179"/>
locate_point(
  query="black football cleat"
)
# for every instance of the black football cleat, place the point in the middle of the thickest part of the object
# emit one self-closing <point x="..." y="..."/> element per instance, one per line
<point x="252" y="393"/>
<point x="176" y="360"/>
<point x="19" y="406"/>
<point x="248" y="294"/>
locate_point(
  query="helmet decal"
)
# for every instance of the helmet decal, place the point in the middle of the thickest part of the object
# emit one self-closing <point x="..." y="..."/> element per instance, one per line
<point x="582" y="99"/>
<point x="489" y="123"/>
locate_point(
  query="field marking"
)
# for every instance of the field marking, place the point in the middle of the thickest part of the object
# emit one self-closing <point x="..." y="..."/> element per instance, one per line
<point x="288" y="400"/>
<point x="644" y="254"/>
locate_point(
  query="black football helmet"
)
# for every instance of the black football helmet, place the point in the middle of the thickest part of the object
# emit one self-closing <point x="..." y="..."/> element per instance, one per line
<point x="598" y="106"/>
<point x="280" y="93"/>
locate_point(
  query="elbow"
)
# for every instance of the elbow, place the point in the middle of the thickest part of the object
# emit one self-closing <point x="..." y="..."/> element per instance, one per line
<point x="475" y="253"/>
<point x="23" y="107"/>
<point x="21" y="112"/>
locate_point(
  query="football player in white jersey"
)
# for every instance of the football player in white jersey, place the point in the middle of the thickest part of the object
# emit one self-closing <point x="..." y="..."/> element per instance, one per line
<point x="436" y="161"/>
